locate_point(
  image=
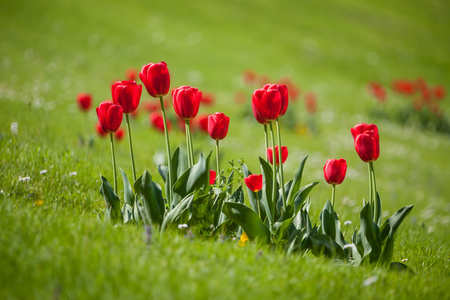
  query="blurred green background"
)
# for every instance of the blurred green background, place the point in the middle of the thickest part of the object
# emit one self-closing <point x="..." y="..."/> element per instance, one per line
<point x="52" y="50"/>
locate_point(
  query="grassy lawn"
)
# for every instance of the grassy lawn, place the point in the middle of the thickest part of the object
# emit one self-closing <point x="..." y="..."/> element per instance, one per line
<point x="52" y="50"/>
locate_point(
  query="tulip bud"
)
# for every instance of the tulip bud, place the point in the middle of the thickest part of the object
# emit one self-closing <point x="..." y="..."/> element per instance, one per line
<point x="334" y="170"/>
<point x="109" y="116"/>
<point x="212" y="177"/>
<point x="284" y="154"/>
<point x="266" y="105"/>
<point x="254" y="182"/>
<point x="186" y="101"/>
<point x="84" y="101"/>
<point x="367" y="141"/>
<point x="157" y="122"/>
<point x="218" y="126"/>
<point x="156" y="79"/>
<point x="127" y="94"/>
<point x="282" y="89"/>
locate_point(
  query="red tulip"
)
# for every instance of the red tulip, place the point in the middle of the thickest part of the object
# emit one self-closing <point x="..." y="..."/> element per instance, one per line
<point x="378" y="91"/>
<point x="186" y="101"/>
<point x="84" y="101"/>
<point x="334" y="171"/>
<point x="127" y="94"/>
<point x="207" y="98"/>
<point x="212" y="177"/>
<point x="202" y="123"/>
<point x="218" y="126"/>
<point x="266" y="105"/>
<point x="109" y="116"/>
<point x="282" y="89"/>
<point x="100" y="131"/>
<point x="311" y="102"/>
<point x="284" y="154"/>
<point x="156" y="79"/>
<point x="249" y="76"/>
<point x="130" y="74"/>
<point x="403" y="86"/>
<point x="157" y="122"/>
<point x="119" y="134"/>
<point x="367" y="141"/>
<point x="254" y="182"/>
<point x="439" y="92"/>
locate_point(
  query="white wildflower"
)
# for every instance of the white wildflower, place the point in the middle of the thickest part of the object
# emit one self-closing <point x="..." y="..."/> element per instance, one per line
<point x="181" y="226"/>
<point x="26" y="178"/>
<point x="370" y="280"/>
<point x="72" y="173"/>
<point x="43" y="172"/>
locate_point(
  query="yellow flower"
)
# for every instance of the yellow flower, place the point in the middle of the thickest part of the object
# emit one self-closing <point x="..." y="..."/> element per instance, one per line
<point x="243" y="240"/>
<point x="38" y="202"/>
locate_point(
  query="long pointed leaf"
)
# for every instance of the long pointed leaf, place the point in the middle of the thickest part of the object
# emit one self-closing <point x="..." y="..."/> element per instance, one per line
<point x="151" y="197"/>
<point x="127" y="190"/>
<point x="266" y="199"/>
<point x="113" y="210"/>
<point x="395" y="221"/>
<point x="296" y="181"/>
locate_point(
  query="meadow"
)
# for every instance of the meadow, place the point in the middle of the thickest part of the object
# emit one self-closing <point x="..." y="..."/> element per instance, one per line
<point x="52" y="244"/>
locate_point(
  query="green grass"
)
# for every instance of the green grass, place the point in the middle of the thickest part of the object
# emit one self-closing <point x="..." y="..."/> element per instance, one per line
<point x="52" y="50"/>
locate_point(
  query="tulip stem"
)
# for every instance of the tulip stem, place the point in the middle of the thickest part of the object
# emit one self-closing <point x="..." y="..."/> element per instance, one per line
<point x="274" y="176"/>
<point x="189" y="142"/>
<point x="266" y="139"/>
<point x="281" y="165"/>
<point x="217" y="159"/>
<point x="376" y="208"/>
<point x="169" y="160"/>
<point x="113" y="162"/>
<point x="257" y="203"/>
<point x="333" y="193"/>
<point x="131" y="147"/>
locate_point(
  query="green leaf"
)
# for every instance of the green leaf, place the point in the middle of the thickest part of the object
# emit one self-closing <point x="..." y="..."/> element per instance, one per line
<point x="180" y="214"/>
<point x="331" y="225"/>
<point x="127" y="190"/>
<point x="296" y="181"/>
<point x="399" y="267"/>
<point x="301" y="195"/>
<point x="388" y="250"/>
<point x="377" y="210"/>
<point x="266" y="199"/>
<point x="370" y="232"/>
<point x="194" y="178"/>
<point x="151" y="197"/>
<point x="395" y="221"/>
<point x="127" y="212"/>
<point x="322" y="244"/>
<point x="281" y="228"/>
<point x="199" y="207"/>
<point x="248" y="220"/>
<point x="113" y="211"/>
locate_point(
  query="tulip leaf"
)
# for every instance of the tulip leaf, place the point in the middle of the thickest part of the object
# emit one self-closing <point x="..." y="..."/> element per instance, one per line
<point x="180" y="214"/>
<point x="388" y="250"/>
<point x="113" y="211"/>
<point x="266" y="199"/>
<point x="395" y="221"/>
<point x="127" y="190"/>
<point x="397" y="266"/>
<point x="331" y="225"/>
<point x="127" y="212"/>
<point x="370" y="232"/>
<point x="281" y="228"/>
<point x="151" y="195"/>
<point x="199" y="207"/>
<point x="194" y="178"/>
<point x="248" y="220"/>
<point x="323" y="245"/>
<point x="377" y="210"/>
<point x="302" y="195"/>
<point x="296" y="181"/>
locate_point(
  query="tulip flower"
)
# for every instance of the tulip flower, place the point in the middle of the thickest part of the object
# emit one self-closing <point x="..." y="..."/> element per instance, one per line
<point x="202" y="123"/>
<point x="218" y="129"/>
<point x="84" y="101"/>
<point x="119" y="134"/>
<point x="100" y="131"/>
<point x="334" y="172"/>
<point x="157" y="122"/>
<point x="310" y="102"/>
<point x="156" y="79"/>
<point x="266" y="104"/>
<point x="110" y="117"/>
<point x="128" y="94"/>
<point x="378" y="91"/>
<point x="367" y="145"/>
<point x="254" y="182"/>
<point x="131" y="74"/>
<point x="284" y="154"/>
<point x="367" y="141"/>
<point x="186" y="102"/>
<point x="282" y="89"/>
<point x="212" y="177"/>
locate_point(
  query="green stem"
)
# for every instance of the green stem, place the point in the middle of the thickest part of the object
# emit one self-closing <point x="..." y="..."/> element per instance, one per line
<point x="274" y="178"/>
<point x="371" y="200"/>
<point x="113" y="161"/>
<point x="188" y="142"/>
<point x="377" y="209"/>
<point x="281" y="165"/>
<point x="266" y="141"/>
<point x="169" y="160"/>
<point x="191" y="147"/>
<point x="333" y="193"/>
<point x="131" y="147"/>
<point x="217" y="157"/>
<point x="257" y="203"/>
